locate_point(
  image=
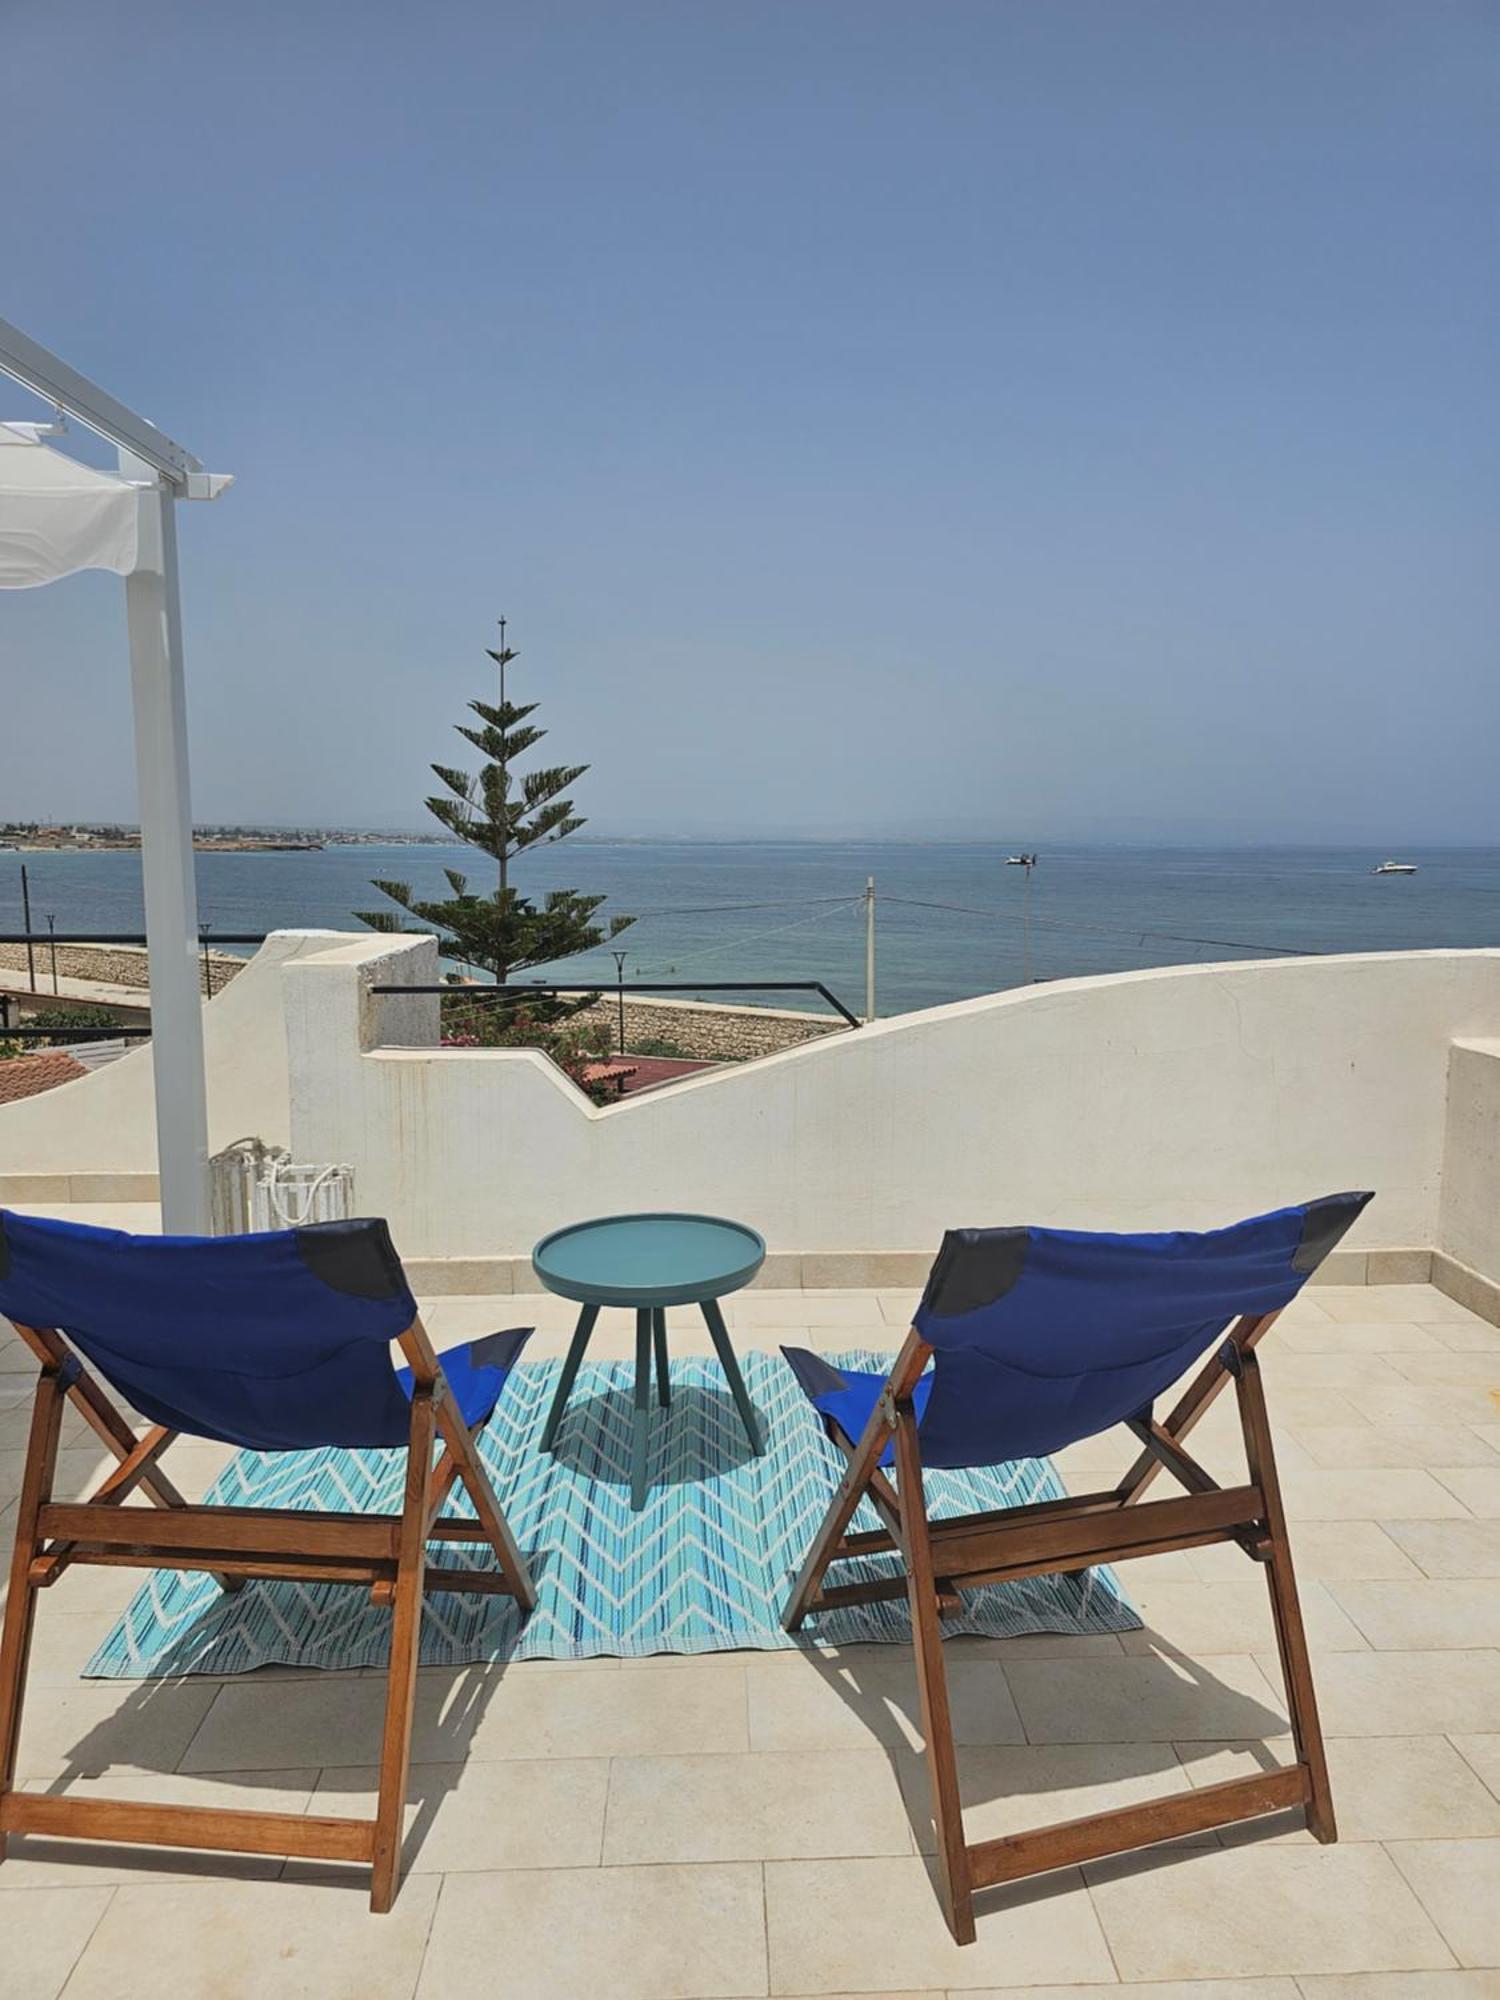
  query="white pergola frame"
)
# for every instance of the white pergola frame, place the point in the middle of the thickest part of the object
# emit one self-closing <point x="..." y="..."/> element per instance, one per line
<point x="167" y="473"/>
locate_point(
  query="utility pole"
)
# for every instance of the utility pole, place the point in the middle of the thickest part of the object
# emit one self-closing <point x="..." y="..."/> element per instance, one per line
<point x="870" y="948"/>
<point x="26" y="926"/>
<point x="1030" y="863"/>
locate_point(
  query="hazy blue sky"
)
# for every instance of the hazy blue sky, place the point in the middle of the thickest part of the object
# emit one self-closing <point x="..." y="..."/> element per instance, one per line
<point x="1042" y="419"/>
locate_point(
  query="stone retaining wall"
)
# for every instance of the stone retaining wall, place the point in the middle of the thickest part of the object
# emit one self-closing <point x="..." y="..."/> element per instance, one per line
<point x="710" y="1033"/>
<point x="113" y="964"/>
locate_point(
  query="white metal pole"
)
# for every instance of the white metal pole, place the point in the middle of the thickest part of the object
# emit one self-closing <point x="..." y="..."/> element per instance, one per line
<point x="870" y="948"/>
<point x="154" y="614"/>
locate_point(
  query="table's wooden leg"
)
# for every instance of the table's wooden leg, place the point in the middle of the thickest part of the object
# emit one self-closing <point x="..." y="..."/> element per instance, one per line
<point x="641" y="1453"/>
<point x="663" y="1376"/>
<point x="718" y="1333"/>
<point x="569" y="1375"/>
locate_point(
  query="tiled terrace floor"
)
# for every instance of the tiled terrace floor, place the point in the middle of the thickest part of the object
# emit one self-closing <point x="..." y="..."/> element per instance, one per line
<point x="755" y="1824"/>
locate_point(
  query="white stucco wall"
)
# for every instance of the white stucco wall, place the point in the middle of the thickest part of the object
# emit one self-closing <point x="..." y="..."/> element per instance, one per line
<point x="1174" y="1098"/>
<point x="1469" y="1223"/>
<point x="105" y="1123"/>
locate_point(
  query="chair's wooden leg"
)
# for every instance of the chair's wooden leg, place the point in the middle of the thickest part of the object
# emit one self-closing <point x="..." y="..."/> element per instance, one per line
<point x="52" y="1351"/>
<point x="476" y="1482"/>
<point x="406" y="1634"/>
<point x="20" y="1605"/>
<point x="1196" y="1400"/>
<point x="576" y="1349"/>
<point x="641" y="1444"/>
<point x="663" y="1373"/>
<point x="1286" y="1610"/>
<point x="863" y="1466"/>
<point x="932" y="1684"/>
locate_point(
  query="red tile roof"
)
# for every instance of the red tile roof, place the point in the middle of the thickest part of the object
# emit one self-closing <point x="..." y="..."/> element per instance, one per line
<point x="27" y="1076"/>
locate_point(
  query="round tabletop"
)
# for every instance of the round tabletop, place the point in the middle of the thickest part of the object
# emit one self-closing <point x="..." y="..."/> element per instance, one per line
<point x="648" y="1260"/>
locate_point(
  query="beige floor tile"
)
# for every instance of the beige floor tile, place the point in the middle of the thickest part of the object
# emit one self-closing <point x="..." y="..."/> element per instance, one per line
<point x="1483" y="1753"/>
<point x="1326" y="1336"/>
<point x="769" y="1806"/>
<point x="1424" y="1305"/>
<point x="1471" y="1369"/>
<point x="1458" y="1882"/>
<point x="45" y="1932"/>
<point x="1432" y="1615"/>
<point x="64" y="1639"/>
<point x="479" y="1713"/>
<point x="1233" y="1912"/>
<point x="1403" y="1445"/>
<point x="1393" y="1986"/>
<point x="257" y="1723"/>
<point x="1468" y="1336"/>
<point x="1385" y="1788"/>
<point x="817" y="1308"/>
<point x="1405" y="1694"/>
<point x="1412" y="1404"/>
<point x="1291" y="1369"/>
<point x="255" y="1941"/>
<point x="1478" y="1487"/>
<point x="1393" y="1495"/>
<point x="1037" y="1646"/>
<point x="870" y="1697"/>
<point x="34" y="1863"/>
<point x="569" y="1712"/>
<point x="633" y="1933"/>
<point x="865" y="1926"/>
<point x="1011" y="1787"/>
<point x="547" y="1813"/>
<point x="1172" y="1989"/>
<point x="1201" y="1618"/>
<point x="1298" y="1409"/>
<point x="1321" y="1550"/>
<point x="98" y="1726"/>
<point x="1153" y="1700"/>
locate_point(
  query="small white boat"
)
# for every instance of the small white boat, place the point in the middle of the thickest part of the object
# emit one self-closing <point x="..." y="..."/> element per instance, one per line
<point x="1020" y="861"/>
<point x="1395" y="868"/>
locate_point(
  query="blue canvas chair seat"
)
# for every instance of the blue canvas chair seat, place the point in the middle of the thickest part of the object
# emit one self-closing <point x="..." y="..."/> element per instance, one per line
<point x="277" y="1342"/>
<point x="1028" y="1340"/>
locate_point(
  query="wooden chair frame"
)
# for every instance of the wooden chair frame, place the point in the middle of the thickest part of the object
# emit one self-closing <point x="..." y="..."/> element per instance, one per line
<point x="386" y="1553"/>
<point x="944" y="1558"/>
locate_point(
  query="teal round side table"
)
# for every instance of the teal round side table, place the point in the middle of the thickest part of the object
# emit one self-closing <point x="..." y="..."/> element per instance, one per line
<point x="647" y="1263"/>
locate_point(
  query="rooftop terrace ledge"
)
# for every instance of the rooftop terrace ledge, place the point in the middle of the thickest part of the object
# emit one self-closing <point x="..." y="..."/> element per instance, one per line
<point x="1171" y="1098"/>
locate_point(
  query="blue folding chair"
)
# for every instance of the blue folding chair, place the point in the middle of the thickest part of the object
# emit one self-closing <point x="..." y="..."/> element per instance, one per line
<point x="1040" y="1337"/>
<point x="278" y="1342"/>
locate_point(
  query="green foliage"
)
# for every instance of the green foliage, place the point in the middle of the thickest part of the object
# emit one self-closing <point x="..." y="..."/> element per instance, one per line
<point x="657" y="1045"/>
<point x="504" y="813"/>
<point x="471" y="1023"/>
<point x="60" y="1022"/>
<point x="59" y="1018"/>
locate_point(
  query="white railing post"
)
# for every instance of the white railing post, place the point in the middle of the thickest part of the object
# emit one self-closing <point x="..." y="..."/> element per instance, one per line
<point x="154" y="615"/>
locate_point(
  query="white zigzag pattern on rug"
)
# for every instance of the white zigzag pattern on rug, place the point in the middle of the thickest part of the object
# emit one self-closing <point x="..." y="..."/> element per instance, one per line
<point x="705" y="1567"/>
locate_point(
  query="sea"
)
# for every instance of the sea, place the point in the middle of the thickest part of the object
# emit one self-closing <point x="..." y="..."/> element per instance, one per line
<point x="952" y="919"/>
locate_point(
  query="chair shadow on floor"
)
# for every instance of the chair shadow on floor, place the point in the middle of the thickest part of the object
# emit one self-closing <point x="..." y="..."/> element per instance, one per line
<point x="698" y="1436"/>
<point x="137" y="1751"/>
<point x="863" y="1679"/>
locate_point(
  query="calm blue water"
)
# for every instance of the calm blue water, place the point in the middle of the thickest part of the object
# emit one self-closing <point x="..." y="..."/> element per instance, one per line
<point x="949" y="922"/>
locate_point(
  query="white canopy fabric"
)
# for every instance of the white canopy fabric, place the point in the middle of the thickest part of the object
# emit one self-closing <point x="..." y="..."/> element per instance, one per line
<point x="57" y="516"/>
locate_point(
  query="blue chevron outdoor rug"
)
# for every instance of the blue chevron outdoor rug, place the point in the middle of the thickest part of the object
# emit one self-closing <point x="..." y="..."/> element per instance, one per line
<point x="704" y="1568"/>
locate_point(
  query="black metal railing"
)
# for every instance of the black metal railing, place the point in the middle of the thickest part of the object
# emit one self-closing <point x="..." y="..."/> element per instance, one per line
<point x="609" y="988"/>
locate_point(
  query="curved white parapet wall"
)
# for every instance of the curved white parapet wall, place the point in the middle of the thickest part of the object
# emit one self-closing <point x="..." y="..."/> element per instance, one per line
<point x="1176" y="1098"/>
<point x="105" y="1123"/>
